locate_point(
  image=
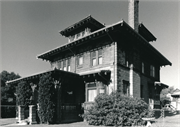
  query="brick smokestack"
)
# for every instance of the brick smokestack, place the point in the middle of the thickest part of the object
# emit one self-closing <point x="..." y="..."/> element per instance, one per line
<point x="133" y="14"/>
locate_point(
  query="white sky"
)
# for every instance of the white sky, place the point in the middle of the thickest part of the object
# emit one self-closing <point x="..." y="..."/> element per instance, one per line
<point x="29" y="28"/>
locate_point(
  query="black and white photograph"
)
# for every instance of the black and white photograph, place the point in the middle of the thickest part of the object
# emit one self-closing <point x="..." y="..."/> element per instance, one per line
<point x="83" y="63"/>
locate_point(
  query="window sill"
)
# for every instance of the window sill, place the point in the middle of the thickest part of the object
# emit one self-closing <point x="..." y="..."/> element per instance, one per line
<point x="79" y="66"/>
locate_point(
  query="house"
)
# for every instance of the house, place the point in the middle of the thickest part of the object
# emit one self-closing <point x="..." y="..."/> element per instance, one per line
<point x="101" y="59"/>
<point x="176" y="99"/>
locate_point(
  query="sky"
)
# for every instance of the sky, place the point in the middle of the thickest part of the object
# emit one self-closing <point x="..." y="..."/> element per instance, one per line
<point x="29" y="28"/>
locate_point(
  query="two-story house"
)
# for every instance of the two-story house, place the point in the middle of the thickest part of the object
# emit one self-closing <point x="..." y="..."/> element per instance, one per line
<point x="101" y="59"/>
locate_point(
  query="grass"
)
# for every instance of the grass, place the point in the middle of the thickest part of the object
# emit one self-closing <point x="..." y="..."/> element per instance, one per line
<point x="170" y="120"/>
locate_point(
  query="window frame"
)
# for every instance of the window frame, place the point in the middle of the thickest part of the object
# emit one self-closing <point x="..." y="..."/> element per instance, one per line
<point x="126" y="88"/>
<point x="152" y="71"/>
<point x="100" y="56"/>
<point x="78" y="60"/>
<point x="69" y="64"/>
<point x="59" y="65"/>
<point x="142" y="68"/>
<point x="93" y="57"/>
<point x="96" y="87"/>
<point x="64" y="65"/>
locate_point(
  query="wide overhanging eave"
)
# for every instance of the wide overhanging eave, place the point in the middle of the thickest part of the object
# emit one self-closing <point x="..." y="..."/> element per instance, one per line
<point x="38" y="75"/>
<point x="100" y="32"/>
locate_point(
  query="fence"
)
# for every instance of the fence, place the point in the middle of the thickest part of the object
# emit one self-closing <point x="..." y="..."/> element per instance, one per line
<point x="8" y="111"/>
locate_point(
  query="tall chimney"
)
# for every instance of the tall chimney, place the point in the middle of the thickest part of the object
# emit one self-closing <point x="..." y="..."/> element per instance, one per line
<point x="133" y="14"/>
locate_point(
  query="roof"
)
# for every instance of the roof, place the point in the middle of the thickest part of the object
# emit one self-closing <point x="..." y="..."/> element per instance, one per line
<point x="95" y="72"/>
<point x="176" y="94"/>
<point x="143" y="31"/>
<point x="121" y="26"/>
<point x="37" y="75"/>
<point x="84" y="23"/>
<point x="161" y="84"/>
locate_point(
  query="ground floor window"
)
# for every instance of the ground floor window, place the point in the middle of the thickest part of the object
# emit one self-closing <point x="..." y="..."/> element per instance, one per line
<point x="93" y="89"/>
<point x="92" y="93"/>
<point x="126" y="88"/>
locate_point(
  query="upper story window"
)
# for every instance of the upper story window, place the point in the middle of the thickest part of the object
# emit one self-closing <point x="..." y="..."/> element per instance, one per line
<point x="152" y="71"/>
<point x="64" y="65"/>
<point x="78" y="35"/>
<point x="100" y="57"/>
<point x="80" y="60"/>
<point x="59" y="65"/>
<point x="142" y="67"/>
<point x="69" y="65"/>
<point x="83" y="33"/>
<point x="94" y="58"/>
<point x="54" y="65"/>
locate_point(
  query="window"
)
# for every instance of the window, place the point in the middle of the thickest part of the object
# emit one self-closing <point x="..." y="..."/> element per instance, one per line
<point x="64" y="65"/>
<point x="93" y="89"/>
<point x="94" y="58"/>
<point x="80" y="60"/>
<point x="142" y="67"/>
<point x="152" y="71"/>
<point x="92" y="93"/>
<point x="59" y="65"/>
<point x="78" y="35"/>
<point x="72" y="38"/>
<point x="54" y="65"/>
<point x="141" y="91"/>
<point x="69" y="66"/>
<point x="126" y="88"/>
<point x="100" y="57"/>
<point x="83" y="33"/>
<point x="101" y="90"/>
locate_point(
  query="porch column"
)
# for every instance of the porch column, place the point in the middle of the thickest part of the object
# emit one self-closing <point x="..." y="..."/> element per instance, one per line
<point x="32" y="114"/>
<point x="131" y="80"/>
<point x="20" y="113"/>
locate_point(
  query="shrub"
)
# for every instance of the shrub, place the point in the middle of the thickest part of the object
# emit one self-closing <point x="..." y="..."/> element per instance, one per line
<point x="117" y="110"/>
<point x="24" y="92"/>
<point x="46" y="99"/>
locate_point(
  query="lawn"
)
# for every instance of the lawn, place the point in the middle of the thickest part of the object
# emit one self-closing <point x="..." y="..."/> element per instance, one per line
<point x="168" y="121"/>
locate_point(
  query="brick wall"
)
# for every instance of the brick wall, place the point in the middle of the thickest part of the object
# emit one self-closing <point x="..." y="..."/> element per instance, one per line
<point x="122" y="74"/>
<point x="136" y="84"/>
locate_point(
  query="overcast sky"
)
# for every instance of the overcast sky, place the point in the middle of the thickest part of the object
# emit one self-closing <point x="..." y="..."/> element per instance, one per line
<point x="29" y="28"/>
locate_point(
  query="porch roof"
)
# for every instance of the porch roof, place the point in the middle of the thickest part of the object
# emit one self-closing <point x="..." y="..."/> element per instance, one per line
<point x="37" y="75"/>
<point x="99" y="75"/>
<point x="95" y="72"/>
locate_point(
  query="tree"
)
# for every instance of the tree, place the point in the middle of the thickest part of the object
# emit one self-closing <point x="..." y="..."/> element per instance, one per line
<point x="163" y="95"/>
<point x="46" y="99"/>
<point x="7" y="91"/>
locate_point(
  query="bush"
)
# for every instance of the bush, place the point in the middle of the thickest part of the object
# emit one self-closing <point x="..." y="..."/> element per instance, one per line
<point x="117" y="110"/>
<point x="24" y="93"/>
<point x="46" y="99"/>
